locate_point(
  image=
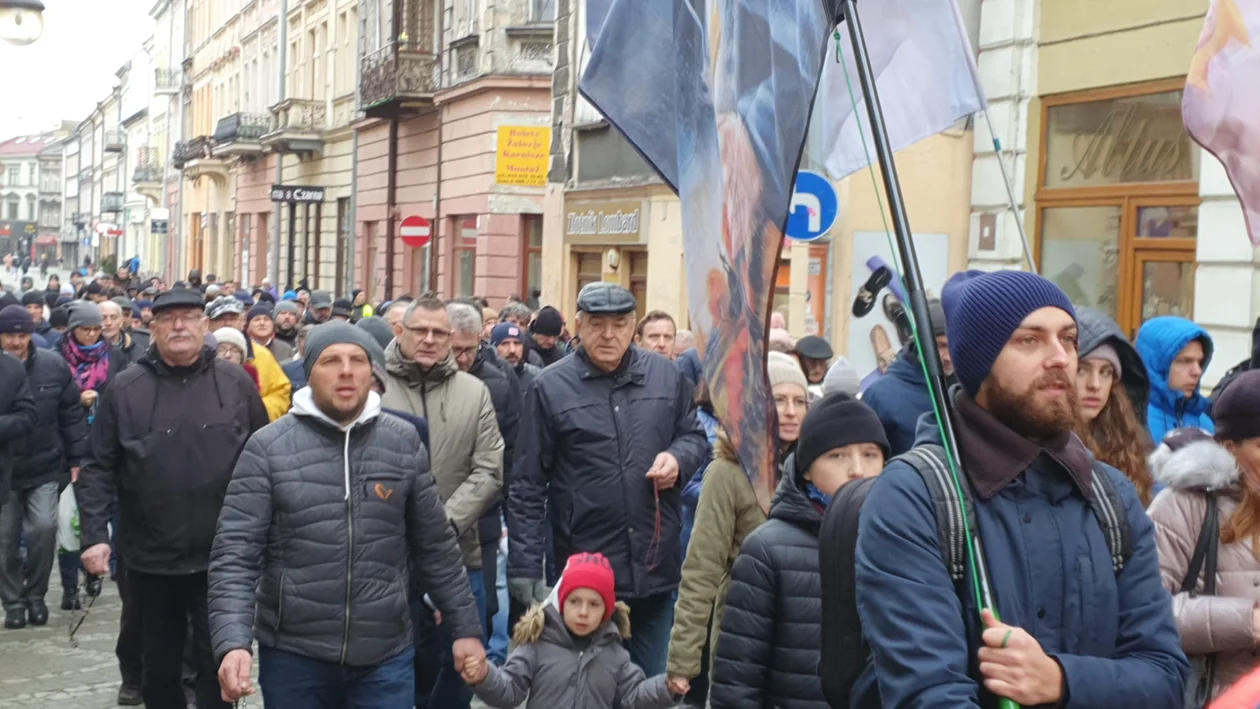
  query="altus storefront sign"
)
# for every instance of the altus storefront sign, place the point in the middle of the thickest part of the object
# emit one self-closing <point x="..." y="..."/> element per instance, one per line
<point x="296" y="194"/>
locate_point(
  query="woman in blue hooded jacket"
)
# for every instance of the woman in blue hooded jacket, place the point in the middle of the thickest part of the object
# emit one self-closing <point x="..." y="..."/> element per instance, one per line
<point x="1176" y="352"/>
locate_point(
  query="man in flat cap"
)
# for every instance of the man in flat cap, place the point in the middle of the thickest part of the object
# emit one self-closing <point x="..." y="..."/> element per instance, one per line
<point x="166" y="436"/>
<point x="327" y="511"/>
<point x="606" y="438"/>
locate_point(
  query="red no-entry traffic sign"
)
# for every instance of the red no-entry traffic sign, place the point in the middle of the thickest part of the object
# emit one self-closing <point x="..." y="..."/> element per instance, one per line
<point x="415" y="231"/>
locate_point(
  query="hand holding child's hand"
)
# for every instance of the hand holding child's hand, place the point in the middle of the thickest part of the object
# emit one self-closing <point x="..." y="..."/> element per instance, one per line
<point x="475" y="672"/>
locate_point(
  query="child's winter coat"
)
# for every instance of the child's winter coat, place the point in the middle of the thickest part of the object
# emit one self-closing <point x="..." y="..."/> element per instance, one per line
<point x="547" y="666"/>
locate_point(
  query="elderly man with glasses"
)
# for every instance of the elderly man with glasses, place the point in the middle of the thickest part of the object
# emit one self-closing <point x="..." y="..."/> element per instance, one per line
<point x="424" y="379"/>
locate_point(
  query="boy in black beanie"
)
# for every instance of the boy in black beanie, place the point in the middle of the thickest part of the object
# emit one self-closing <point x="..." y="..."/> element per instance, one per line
<point x="775" y="597"/>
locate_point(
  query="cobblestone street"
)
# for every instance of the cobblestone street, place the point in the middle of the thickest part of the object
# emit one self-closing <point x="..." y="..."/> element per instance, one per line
<point x="40" y="668"/>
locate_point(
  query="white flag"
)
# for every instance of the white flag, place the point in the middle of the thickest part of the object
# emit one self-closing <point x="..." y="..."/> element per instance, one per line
<point x="925" y="72"/>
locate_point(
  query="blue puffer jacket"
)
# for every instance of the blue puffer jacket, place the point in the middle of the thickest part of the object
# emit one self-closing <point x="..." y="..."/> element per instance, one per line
<point x="1051" y="573"/>
<point x="1159" y="342"/>
<point x="899" y="398"/>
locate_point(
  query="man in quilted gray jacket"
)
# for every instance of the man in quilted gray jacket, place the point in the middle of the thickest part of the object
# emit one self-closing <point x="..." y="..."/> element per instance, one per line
<point x="326" y="509"/>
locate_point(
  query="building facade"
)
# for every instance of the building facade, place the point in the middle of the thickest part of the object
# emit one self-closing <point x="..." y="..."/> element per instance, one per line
<point x="456" y="130"/>
<point x="1124" y="211"/>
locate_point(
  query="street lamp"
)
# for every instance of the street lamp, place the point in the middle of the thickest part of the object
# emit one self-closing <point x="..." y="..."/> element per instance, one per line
<point x="21" y="21"/>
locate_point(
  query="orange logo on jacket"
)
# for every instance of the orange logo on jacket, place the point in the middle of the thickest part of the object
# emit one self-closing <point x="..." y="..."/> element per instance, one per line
<point x="383" y="492"/>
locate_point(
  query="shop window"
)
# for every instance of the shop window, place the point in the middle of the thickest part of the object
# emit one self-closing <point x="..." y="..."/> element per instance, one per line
<point x="1124" y="139"/>
<point x="1080" y="252"/>
<point x="531" y="283"/>
<point x="465" y="256"/>
<point x="638" y="280"/>
<point x="1118" y="203"/>
<point x="589" y="268"/>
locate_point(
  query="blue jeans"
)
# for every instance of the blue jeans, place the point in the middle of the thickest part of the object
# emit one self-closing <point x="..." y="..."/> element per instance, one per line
<point x="498" y="645"/>
<point x="651" y="619"/>
<point x="290" y="680"/>
<point x="450" y="691"/>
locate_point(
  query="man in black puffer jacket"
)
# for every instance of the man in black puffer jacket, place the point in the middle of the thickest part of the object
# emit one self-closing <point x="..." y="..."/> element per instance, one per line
<point x="771" y="637"/>
<point x="327" y="509"/>
<point x="167" y="433"/>
<point x="44" y="460"/>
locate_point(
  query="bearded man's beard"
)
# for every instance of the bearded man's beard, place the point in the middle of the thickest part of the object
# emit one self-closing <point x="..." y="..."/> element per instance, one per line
<point x="1027" y="413"/>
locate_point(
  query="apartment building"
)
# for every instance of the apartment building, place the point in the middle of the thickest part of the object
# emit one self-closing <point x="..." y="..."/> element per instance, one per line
<point x="457" y="103"/>
<point x="30" y="203"/>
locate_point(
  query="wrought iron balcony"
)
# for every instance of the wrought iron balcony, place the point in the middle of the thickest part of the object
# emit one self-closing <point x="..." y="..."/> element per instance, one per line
<point x="240" y="135"/>
<point x="398" y="75"/>
<point x="115" y="141"/>
<point x="112" y="202"/>
<point x="187" y="151"/>
<point x="85" y="175"/>
<point x="148" y="167"/>
<point x="166" y="82"/>
<point x="297" y="126"/>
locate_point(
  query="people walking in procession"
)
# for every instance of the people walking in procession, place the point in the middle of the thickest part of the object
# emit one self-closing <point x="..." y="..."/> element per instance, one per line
<point x="165" y="439"/>
<point x="1096" y="632"/>
<point x="335" y="483"/>
<point x="608" y="437"/>
<point x="45" y="461"/>
<point x="727" y="513"/>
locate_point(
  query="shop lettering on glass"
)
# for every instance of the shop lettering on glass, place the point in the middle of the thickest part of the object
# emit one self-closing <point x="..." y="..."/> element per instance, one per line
<point x="1126" y="147"/>
<point x="599" y="223"/>
<point x="296" y="194"/>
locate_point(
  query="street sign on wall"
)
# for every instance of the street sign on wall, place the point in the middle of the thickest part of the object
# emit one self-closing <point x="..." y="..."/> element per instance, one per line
<point x="416" y="231"/>
<point x="296" y="194"/>
<point x="814" y="207"/>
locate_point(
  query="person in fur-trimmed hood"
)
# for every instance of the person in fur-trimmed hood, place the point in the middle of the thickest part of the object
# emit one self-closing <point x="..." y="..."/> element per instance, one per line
<point x="569" y="653"/>
<point x="1192" y="463"/>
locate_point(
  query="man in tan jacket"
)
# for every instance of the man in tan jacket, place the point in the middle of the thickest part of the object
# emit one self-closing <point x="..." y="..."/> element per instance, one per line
<point x="466" y="448"/>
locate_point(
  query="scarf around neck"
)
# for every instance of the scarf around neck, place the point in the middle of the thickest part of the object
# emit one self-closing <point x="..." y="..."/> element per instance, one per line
<point x="89" y="364"/>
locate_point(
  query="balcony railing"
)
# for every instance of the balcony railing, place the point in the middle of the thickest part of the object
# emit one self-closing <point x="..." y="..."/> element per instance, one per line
<point x="85" y="175"/>
<point x="115" y="141"/>
<point x="148" y="168"/>
<point x="397" y="72"/>
<point x="112" y="202"/>
<point x="198" y="148"/>
<point x="51" y="184"/>
<point x="299" y="115"/>
<point x="166" y="81"/>
<point x="239" y="134"/>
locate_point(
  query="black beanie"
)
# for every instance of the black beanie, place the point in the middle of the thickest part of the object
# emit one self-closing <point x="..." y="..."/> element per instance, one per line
<point x="548" y="322"/>
<point x="59" y="317"/>
<point x="836" y="421"/>
<point x="1236" y="412"/>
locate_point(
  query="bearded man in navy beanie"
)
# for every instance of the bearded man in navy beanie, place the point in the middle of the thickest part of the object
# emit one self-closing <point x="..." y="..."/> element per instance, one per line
<point x="1068" y="548"/>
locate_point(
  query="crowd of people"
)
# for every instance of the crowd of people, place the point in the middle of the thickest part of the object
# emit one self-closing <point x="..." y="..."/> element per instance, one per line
<point x="411" y="503"/>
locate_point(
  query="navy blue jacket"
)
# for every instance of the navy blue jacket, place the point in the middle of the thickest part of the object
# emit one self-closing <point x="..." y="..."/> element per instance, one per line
<point x="899" y="398"/>
<point x="587" y="440"/>
<point x="296" y="372"/>
<point x="1051" y="572"/>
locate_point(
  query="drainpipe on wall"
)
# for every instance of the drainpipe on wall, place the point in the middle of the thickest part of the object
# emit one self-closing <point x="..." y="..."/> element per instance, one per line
<point x="274" y="271"/>
<point x="432" y="264"/>
<point x="391" y="187"/>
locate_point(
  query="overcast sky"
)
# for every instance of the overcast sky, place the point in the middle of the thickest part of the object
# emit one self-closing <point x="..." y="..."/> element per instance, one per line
<point x="67" y="71"/>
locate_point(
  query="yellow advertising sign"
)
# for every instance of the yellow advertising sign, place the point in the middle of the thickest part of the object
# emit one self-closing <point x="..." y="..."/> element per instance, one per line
<point x="522" y="156"/>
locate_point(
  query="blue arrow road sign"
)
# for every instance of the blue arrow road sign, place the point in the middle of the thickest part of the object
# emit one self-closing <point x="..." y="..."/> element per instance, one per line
<point x="814" y="207"/>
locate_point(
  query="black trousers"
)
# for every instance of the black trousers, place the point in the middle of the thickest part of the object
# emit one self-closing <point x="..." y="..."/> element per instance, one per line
<point x="128" y="649"/>
<point x="165" y="605"/>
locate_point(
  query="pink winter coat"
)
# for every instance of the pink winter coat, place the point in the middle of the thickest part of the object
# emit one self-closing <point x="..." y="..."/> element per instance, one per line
<point x="1222" y="623"/>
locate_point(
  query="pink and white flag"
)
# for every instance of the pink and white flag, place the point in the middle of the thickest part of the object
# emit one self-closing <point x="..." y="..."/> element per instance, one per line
<point x="1221" y="104"/>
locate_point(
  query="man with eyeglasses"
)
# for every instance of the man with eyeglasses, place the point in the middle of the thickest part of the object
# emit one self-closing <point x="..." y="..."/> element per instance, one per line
<point x="424" y="379"/>
<point x="165" y="439"/>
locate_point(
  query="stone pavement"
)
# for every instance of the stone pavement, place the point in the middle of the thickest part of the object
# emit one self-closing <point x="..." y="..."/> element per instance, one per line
<point x="40" y="668"/>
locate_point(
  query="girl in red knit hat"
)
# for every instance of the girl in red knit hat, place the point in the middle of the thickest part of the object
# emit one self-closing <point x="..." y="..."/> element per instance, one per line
<point x="569" y="652"/>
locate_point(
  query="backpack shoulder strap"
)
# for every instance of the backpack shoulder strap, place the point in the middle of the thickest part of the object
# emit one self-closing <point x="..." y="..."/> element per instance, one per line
<point x="1108" y="507"/>
<point x="929" y="461"/>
